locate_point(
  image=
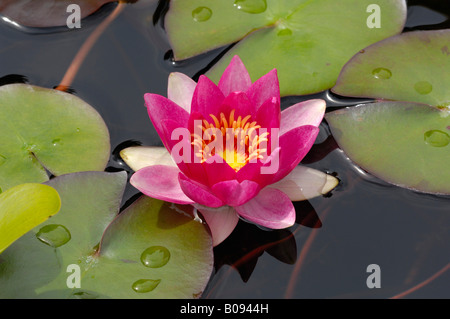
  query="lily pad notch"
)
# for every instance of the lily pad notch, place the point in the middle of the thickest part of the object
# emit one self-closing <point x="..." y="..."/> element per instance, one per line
<point x="48" y="130"/>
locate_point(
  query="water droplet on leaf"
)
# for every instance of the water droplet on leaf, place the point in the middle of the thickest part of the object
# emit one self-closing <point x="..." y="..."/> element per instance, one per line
<point x="54" y="235"/>
<point x="56" y="142"/>
<point x="155" y="256"/>
<point x="437" y="138"/>
<point x="201" y="14"/>
<point x="382" y="73"/>
<point x="84" y="295"/>
<point x="251" y="6"/>
<point x="423" y="87"/>
<point x="145" y="285"/>
<point x="284" y="32"/>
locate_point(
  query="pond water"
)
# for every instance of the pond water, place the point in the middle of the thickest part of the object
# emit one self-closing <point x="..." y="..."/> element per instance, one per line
<point x="326" y="254"/>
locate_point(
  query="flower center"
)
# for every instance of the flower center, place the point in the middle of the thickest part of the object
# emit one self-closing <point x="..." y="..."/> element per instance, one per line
<point x="237" y="141"/>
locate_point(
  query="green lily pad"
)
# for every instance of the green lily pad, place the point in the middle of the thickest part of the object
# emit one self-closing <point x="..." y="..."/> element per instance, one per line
<point x="23" y="207"/>
<point x="43" y="129"/>
<point x="403" y="143"/>
<point x="307" y="41"/>
<point x="406" y="67"/>
<point x="150" y="250"/>
<point x="46" y="13"/>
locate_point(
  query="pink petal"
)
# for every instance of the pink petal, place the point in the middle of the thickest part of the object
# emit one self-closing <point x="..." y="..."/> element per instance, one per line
<point x="196" y="172"/>
<point x="218" y="171"/>
<point x="198" y="192"/>
<point x="260" y="172"/>
<point x="207" y="98"/>
<point x="250" y="171"/>
<point x="294" y="145"/>
<point x="270" y="208"/>
<point x="195" y="118"/>
<point x="174" y="134"/>
<point x="160" y="108"/>
<point x="233" y="193"/>
<point x="182" y="152"/>
<point x="160" y="182"/>
<point x="309" y="112"/>
<point x="239" y="102"/>
<point x="264" y="88"/>
<point x="221" y="221"/>
<point x="235" y="78"/>
<point x="269" y="114"/>
<point x="180" y="90"/>
<point x="178" y="143"/>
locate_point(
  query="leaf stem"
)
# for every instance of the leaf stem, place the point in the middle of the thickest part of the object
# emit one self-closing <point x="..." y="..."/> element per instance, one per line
<point x="79" y="58"/>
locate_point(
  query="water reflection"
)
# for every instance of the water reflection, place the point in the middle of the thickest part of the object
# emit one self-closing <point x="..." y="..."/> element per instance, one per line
<point x="18" y="78"/>
<point x="160" y="12"/>
<point x="66" y="89"/>
<point x="280" y="244"/>
<point x="13" y="78"/>
<point x="428" y="15"/>
<point x="320" y="150"/>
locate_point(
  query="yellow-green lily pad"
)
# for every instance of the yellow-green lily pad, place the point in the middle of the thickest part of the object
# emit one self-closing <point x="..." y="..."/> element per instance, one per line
<point x="23" y="207"/>
<point x="48" y="130"/>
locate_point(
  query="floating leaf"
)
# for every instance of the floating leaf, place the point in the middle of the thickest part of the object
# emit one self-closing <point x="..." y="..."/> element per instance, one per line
<point x="403" y="143"/>
<point x="139" y="255"/>
<point x="406" y="67"/>
<point x="307" y="41"/>
<point x="48" y="129"/>
<point x="46" y="13"/>
<point x="23" y="207"/>
<point x="155" y="243"/>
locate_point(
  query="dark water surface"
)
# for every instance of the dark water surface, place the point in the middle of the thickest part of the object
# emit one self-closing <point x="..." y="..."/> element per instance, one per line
<point x="326" y="253"/>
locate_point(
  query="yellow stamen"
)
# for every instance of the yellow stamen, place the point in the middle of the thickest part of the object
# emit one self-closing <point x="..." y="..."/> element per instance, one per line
<point x="241" y="141"/>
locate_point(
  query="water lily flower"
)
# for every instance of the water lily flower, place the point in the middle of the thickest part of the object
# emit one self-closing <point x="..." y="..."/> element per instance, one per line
<point x="235" y="154"/>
